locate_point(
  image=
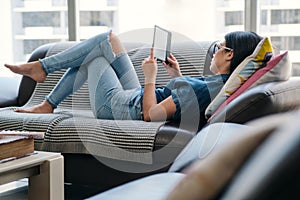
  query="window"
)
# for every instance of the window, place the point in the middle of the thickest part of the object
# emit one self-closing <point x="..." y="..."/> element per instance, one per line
<point x="296" y="69"/>
<point x="51" y="19"/>
<point x="35" y="22"/>
<point x="229" y="17"/>
<point x="234" y="18"/>
<point x="264" y="17"/>
<point x="286" y="42"/>
<point x="188" y="19"/>
<point x="96" y="18"/>
<point x="291" y="16"/>
<point x="280" y="20"/>
<point x="62" y="3"/>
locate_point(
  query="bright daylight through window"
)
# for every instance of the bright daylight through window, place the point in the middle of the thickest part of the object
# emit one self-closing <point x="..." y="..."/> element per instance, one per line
<point x="32" y="23"/>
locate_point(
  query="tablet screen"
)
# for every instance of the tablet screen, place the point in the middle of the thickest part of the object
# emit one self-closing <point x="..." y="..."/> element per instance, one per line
<point x="161" y="43"/>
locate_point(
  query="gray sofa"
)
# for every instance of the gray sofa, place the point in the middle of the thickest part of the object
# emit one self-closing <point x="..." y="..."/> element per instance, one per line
<point x="107" y="153"/>
<point x="261" y="163"/>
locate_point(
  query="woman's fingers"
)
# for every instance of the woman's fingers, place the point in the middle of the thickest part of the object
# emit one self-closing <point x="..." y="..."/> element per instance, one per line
<point x="152" y="53"/>
<point x="172" y="56"/>
<point x="150" y="59"/>
<point x="171" y="61"/>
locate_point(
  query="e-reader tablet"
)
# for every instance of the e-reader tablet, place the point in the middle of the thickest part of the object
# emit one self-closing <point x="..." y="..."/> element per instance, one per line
<point x="161" y="43"/>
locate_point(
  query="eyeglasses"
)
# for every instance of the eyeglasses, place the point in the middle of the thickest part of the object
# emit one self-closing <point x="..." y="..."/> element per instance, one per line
<point x="218" y="46"/>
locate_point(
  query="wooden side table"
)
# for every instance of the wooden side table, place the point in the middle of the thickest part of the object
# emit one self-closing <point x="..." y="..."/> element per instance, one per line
<point x="45" y="173"/>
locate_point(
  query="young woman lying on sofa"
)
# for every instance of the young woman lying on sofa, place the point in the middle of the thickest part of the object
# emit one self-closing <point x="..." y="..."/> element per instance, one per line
<point x="114" y="89"/>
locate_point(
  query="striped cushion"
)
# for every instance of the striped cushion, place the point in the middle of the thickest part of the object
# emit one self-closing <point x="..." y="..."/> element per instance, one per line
<point x="116" y="139"/>
<point x="73" y="128"/>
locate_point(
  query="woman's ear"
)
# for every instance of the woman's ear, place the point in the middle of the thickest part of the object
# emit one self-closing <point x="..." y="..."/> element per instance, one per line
<point x="229" y="55"/>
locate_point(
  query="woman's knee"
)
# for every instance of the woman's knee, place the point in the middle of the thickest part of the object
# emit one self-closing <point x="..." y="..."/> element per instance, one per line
<point x="116" y="44"/>
<point x="95" y="63"/>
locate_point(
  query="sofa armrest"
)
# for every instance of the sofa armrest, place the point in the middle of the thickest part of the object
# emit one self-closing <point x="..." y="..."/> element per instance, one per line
<point x="208" y="140"/>
<point x="17" y="91"/>
<point x="9" y="91"/>
<point x="262" y="100"/>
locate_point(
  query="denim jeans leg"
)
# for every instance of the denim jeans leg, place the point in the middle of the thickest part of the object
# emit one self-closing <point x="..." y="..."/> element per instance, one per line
<point x="108" y="98"/>
<point x="121" y="77"/>
<point x="125" y="72"/>
<point x="70" y="82"/>
<point x="122" y="65"/>
<point x="103" y="83"/>
<point x="74" y="58"/>
<point x="78" y="55"/>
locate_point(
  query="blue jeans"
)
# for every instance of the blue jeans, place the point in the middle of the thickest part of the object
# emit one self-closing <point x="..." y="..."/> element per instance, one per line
<point x="114" y="88"/>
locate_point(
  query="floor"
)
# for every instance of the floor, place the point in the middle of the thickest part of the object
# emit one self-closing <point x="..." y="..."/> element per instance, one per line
<point x="18" y="190"/>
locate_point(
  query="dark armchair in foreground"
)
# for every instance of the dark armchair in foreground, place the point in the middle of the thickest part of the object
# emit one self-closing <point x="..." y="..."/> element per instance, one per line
<point x="259" y="163"/>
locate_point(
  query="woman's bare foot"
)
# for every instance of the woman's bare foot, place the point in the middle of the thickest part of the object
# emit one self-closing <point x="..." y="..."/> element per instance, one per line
<point x="32" y="69"/>
<point x="44" y="107"/>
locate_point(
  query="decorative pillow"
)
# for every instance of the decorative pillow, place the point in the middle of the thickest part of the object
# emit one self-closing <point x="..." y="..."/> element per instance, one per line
<point x="277" y="69"/>
<point x="258" y="59"/>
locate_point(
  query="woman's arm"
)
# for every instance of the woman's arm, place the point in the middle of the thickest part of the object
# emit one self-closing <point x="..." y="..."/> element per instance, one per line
<point x="156" y="112"/>
<point x="162" y="111"/>
<point x="151" y="110"/>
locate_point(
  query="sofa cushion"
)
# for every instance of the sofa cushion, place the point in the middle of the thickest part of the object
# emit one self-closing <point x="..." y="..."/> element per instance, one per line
<point x="69" y="133"/>
<point x="277" y="69"/>
<point x="10" y="120"/>
<point x="129" y="140"/>
<point x="243" y="72"/>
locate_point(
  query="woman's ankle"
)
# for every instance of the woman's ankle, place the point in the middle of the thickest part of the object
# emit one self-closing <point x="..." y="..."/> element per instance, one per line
<point x="47" y="106"/>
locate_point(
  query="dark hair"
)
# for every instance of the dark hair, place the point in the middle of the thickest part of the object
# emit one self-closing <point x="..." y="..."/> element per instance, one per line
<point x="243" y="44"/>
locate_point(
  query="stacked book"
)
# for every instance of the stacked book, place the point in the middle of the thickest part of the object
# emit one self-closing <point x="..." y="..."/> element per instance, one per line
<point x="16" y="144"/>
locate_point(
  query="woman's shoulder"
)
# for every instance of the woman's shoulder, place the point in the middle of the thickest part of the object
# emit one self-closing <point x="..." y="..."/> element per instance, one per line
<point x="217" y="78"/>
<point x="197" y="81"/>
